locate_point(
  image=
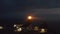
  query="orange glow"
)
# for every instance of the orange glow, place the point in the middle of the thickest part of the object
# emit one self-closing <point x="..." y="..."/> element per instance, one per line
<point x="29" y="17"/>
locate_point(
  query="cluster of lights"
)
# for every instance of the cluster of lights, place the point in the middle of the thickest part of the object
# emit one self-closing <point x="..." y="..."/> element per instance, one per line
<point x="36" y="28"/>
<point x="41" y="30"/>
<point x="18" y="28"/>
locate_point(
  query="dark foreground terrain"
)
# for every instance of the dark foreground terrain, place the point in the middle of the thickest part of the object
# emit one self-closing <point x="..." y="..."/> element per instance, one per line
<point x="52" y="26"/>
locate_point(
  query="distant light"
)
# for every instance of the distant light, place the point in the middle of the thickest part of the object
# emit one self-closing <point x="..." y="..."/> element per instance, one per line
<point x="18" y="30"/>
<point x="15" y="25"/>
<point x="29" y="17"/>
<point x="36" y="28"/>
<point x="18" y="27"/>
<point x="43" y="30"/>
<point x="1" y="27"/>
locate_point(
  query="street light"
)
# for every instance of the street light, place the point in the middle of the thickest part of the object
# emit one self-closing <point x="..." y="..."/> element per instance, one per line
<point x="18" y="27"/>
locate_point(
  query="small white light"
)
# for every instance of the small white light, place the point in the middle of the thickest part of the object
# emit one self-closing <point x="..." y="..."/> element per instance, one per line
<point x="15" y="25"/>
<point x="1" y="27"/>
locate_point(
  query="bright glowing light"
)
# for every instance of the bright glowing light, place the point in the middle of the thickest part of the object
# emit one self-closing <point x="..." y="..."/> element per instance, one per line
<point x="29" y="17"/>
<point x="42" y="31"/>
<point x="15" y="25"/>
<point x="19" y="29"/>
<point x="1" y="27"/>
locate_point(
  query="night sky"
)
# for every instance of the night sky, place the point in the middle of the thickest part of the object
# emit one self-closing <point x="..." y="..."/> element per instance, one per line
<point x="17" y="9"/>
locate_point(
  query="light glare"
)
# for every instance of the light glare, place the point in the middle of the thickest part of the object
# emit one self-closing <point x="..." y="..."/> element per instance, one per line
<point x="29" y="17"/>
<point x="18" y="30"/>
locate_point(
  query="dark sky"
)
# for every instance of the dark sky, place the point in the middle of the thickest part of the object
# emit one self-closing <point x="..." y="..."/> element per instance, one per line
<point x="48" y="9"/>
